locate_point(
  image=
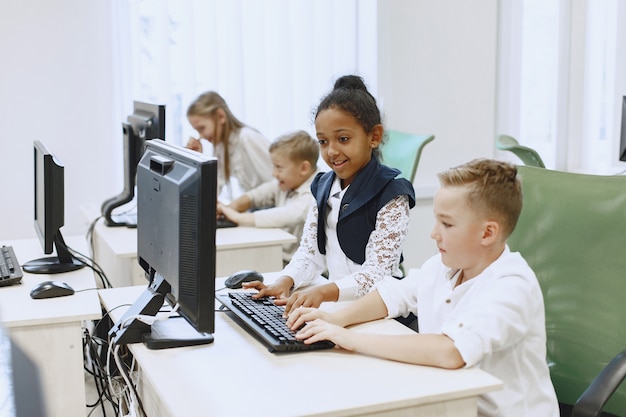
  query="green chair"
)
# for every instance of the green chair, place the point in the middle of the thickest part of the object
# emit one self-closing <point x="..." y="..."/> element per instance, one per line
<point x="403" y="150"/>
<point x="572" y="232"/>
<point x="527" y="155"/>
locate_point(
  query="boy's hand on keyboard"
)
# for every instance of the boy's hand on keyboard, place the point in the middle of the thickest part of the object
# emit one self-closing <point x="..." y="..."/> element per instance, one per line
<point x="318" y="330"/>
<point x="302" y="315"/>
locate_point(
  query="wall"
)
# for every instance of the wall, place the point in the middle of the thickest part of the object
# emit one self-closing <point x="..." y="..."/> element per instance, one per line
<point x="56" y="87"/>
<point x="437" y="74"/>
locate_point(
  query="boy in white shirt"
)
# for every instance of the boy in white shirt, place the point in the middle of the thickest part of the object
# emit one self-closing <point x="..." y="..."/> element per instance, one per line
<point x="478" y="304"/>
<point x="285" y="201"/>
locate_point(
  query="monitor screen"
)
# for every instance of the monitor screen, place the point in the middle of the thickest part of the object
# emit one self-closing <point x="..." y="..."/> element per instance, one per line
<point x="176" y="204"/>
<point x="145" y="123"/>
<point x="622" y="142"/>
<point x="49" y="195"/>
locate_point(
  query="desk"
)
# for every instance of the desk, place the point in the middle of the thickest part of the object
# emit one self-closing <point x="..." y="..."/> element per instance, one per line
<point x="237" y="248"/>
<point x="237" y="376"/>
<point x="49" y="331"/>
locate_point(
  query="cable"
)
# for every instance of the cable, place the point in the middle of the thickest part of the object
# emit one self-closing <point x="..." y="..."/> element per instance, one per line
<point x="89" y="237"/>
<point x="94" y="349"/>
<point x="113" y="350"/>
<point x="149" y="320"/>
<point x="135" y="399"/>
<point x="91" y="263"/>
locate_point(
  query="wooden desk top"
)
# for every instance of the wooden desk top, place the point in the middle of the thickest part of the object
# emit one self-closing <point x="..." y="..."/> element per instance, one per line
<point x="18" y="309"/>
<point x="237" y="376"/>
<point x="123" y="240"/>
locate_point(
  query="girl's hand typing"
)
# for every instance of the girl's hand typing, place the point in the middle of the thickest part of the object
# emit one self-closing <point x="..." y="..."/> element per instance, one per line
<point x="312" y="297"/>
<point x="280" y="289"/>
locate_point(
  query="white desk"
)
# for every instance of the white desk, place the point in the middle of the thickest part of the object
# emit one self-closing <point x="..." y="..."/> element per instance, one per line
<point x="49" y="330"/>
<point x="237" y="376"/>
<point x="237" y="248"/>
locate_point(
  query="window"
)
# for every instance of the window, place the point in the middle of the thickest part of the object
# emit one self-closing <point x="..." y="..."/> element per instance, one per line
<point x="560" y="83"/>
<point x="272" y="61"/>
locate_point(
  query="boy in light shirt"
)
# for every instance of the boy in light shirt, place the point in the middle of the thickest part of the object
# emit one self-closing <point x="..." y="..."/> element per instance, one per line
<point x="478" y="304"/>
<point x="285" y="201"/>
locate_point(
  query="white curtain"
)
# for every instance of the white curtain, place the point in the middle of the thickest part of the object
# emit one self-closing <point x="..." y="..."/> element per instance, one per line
<point x="272" y="60"/>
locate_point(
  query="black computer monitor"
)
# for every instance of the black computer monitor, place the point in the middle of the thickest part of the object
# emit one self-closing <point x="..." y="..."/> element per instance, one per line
<point x="49" y="195"/>
<point x="147" y="122"/>
<point x="176" y="204"/>
<point x="622" y="142"/>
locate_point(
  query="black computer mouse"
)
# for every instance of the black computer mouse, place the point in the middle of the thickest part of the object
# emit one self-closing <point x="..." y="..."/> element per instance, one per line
<point x="49" y="289"/>
<point x="235" y="280"/>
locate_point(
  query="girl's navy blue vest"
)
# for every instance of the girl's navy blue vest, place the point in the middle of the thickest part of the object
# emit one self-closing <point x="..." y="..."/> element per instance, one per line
<point x="374" y="186"/>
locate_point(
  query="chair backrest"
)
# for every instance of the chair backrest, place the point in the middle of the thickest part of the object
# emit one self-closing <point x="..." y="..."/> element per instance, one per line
<point x="572" y="232"/>
<point x="527" y="155"/>
<point x="403" y="151"/>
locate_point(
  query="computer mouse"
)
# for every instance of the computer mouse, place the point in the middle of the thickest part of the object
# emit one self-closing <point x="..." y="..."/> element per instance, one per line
<point x="49" y="289"/>
<point x="235" y="280"/>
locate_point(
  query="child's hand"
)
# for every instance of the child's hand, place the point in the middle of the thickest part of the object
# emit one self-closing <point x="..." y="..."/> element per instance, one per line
<point x="302" y="315"/>
<point x="311" y="297"/>
<point x="280" y="289"/>
<point x="318" y="330"/>
<point x="194" y="144"/>
<point x="229" y="213"/>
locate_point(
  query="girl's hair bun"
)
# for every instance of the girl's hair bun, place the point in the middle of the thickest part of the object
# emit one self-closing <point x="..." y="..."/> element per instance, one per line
<point x="350" y="82"/>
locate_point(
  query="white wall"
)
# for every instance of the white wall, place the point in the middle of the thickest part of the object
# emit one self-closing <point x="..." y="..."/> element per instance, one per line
<point x="437" y="74"/>
<point x="55" y="77"/>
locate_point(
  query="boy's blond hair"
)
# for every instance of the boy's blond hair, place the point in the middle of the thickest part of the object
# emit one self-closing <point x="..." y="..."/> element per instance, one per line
<point x="494" y="189"/>
<point x="298" y="146"/>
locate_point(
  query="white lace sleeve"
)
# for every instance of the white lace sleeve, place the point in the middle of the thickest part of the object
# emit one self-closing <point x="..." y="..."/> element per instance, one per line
<point x="383" y="250"/>
<point x="307" y="263"/>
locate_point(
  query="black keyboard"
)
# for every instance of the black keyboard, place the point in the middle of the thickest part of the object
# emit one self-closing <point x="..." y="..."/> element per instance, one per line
<point x="223" y="222"/>
<point x="10" y="269"/>
<point x="265" y="319"/>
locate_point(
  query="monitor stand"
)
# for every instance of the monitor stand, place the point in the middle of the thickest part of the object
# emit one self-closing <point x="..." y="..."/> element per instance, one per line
<point x="174" y="332"/>
<point x="160" y="334"/>
<point x="63" y="262"/>
<point x="133" y="149"/>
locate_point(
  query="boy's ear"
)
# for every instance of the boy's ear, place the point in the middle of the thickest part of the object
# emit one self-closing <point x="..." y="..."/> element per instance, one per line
<point x="491" y="232"/>
<point x="305" y="168"/>
<point x="376" y="136"/>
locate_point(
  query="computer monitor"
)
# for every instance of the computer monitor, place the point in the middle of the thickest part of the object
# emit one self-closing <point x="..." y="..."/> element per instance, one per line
<point x="49" y="195"/>
<point x="622" y="142"/>
<point x="176" y="204"/>
<point x="147" y="122"/>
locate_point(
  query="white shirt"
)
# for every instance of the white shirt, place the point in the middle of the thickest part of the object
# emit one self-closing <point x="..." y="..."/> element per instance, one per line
<point x="382" y="253"/>
<point x="288" y="209"/>
<point x="497" y="322"/>
<point x="249" y="157"/>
